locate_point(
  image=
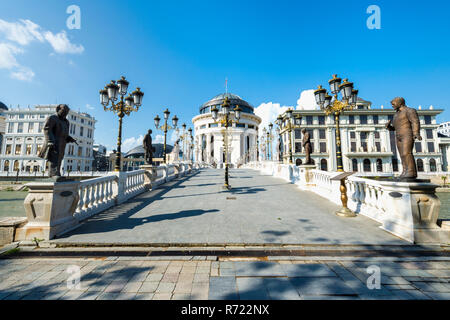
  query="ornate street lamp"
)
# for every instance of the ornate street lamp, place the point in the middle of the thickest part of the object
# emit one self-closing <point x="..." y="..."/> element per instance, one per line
<point x="165" y="128"/>
<point x="226" y="119"/>
<point x="288" y="122"/>
<point x="185" y="136"/>
<point x="124" y="107"/>
<point x="333" y="105"/>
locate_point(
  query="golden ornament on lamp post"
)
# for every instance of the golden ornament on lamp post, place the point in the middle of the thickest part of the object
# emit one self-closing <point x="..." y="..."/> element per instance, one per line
<point x="109" y="95"/>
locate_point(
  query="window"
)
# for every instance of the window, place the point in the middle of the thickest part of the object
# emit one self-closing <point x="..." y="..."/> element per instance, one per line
<point x="309" y="120"/>
<point x="363" y="119"/>
<point x="41" y="126"/>
<point x="21" y="116"/>
<point x="10" y="127"/>
<point x="377" y="134"/>
<point x="16" y="165"/>
<point x="323" y="147"/>
<point x="18" y="149"/>
<point x="418" y="146"/>
<point x="28" y="149"/>
<point x="213" y="125"/>
<point x="298" y="147"/>
<point x="375" y="119"/>
<point x="379" y="165"/>
<point x="395" y="164"/>
<point x="430" y="146"/>
<point x="352" y="135"/>
<point x="366" y="165"/>
<point x="6" y="166"/>
<point x="351" y="119"/>
<point x="20" y="127"/>
<point x="8" y="149"/>
<point x="322" y="134"/>
<point x="378" y="146"/>
<point x="354" y="165"/>
<point x="81" y="131"/>
<point x="420" y="165"/>
<point x="353" y="146"/>
<point x="39" y="148"/>
<point x="427" y="119"/>
<point x="324" y="165"/>
<point x="298" y="134"/>
<point x="429" y="133"/>
<point x="321" y="120"/>
<point x="30" y="127"/>
<point x="390" y="117"/>
<point x="433" y="165"/>
<point x="80" y="151"/>
<point x="364" y="146"/>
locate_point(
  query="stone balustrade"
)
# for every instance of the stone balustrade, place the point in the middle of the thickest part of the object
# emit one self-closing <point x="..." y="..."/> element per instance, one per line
<point x="56" y="208"/>
<point x="408" y="210"/>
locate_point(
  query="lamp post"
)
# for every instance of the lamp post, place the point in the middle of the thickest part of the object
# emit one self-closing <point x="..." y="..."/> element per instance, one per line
<point x="288" y="123"/>
<point x="333" y="105"/>
<point x="225" y="118"/>
<point x="165" y="128"/>
<point x="124" y="107"/>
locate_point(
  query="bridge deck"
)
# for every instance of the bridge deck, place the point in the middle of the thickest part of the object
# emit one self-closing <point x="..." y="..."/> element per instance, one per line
<point x="260" y="209"/>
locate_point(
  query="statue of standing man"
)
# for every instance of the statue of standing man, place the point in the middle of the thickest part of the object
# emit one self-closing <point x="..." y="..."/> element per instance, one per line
<point x="407" y="127"/>
<point x="147" y="143"/>
<point x="56" y="135"/>
<point x="306" y="142"/>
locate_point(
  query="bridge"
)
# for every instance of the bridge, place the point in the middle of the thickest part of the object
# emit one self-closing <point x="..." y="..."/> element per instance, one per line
<point x="173" y="232"/>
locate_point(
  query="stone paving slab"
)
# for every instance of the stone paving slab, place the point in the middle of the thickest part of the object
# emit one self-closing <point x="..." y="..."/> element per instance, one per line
<point x="195" y="210"/>
<point x="179" y="279"/>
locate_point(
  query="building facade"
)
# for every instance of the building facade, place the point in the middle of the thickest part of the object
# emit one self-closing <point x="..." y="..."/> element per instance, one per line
<point x="367" y="146"/>
<point x="444" y="129"/>
<point x="3" y="109"/>
<point x="241" y="137"/>
<point x="24" y="137"/>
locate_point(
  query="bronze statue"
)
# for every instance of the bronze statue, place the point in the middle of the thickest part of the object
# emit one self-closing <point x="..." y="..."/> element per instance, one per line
<point x="56" y="134"/>
<point x="407" y="127"/>
<point x="149" y="149"/>
<point x="306" y="142"/>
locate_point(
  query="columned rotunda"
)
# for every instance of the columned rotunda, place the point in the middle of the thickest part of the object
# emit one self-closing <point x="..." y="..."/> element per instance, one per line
<point x="242" y="136"/>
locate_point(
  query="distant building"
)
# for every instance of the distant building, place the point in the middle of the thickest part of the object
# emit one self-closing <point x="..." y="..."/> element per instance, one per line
<point x="101" y="160"/>
<point x="367" y="146"/>
<point x="444" y="129"/>
<point x="24" y="137"/>
<point x="133" y="159"/>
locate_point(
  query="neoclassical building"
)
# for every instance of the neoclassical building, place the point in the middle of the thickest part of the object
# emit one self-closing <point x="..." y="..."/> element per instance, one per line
<point x="24" y="138"/>
<point x="367" y="146"/>
<point x="242" y="136"/>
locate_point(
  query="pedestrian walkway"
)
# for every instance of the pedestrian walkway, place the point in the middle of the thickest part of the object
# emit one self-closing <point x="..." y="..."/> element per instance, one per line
<point x="146" y="278"/>
<point x="260" y="209"/>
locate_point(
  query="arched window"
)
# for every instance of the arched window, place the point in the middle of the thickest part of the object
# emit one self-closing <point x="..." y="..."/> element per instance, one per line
<point x="379" y="165"/>
<point x="324" y="165"/>
<point x="394" y="164"/>
<point x="16" y="165"/>
<point x="355" y="165"/>
<point x="433" y="165"/>
<point x="298" y="162"/>
<point x="6" y="166"/>
<point x="420" y="165"/>
<point x="366" y="165"/>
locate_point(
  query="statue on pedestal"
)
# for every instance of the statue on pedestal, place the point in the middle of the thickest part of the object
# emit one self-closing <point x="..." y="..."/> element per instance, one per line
<point x="56" y="136"/>
<point x="407" y="129"/>
<point x="306" y="143"/>
<point x="176" y="151"/>
<point x="149" y="149"/>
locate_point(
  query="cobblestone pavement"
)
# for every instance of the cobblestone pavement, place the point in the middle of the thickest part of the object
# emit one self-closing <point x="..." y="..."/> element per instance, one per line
<point x="116" y="278"/>
<point x="260" y="209"/>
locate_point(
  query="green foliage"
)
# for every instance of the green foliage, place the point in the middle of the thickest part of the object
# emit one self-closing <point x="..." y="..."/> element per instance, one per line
<point x="11" y="251"/>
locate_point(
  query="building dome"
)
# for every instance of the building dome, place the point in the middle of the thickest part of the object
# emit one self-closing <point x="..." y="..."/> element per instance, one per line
<point x="139" y="152"/>
<point x="3" y="107"/>
<point x="234" y="100"/>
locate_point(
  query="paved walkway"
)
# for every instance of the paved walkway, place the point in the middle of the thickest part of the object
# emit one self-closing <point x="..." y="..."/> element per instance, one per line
<point x="111" y="278"/>
<point x="259" y="209"/>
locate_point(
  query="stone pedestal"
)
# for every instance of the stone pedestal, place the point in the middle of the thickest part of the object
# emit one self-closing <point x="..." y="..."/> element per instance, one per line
<point x="49" y="207"/>
<point x="305" y="174"/>
<point x="413" y="210"/>
<point x="150" y="175"/>
<point x="8" y="227"/>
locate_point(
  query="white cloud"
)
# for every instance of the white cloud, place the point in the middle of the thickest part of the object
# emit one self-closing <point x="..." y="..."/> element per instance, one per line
<point x="158" y="139"/>
<point x="132" y="142"/>
<point x="61" y="44"/>
<point x="88" y="106"/>
<point x="268" y="112"/>
<point x="16" y="35"/>
<point x="7" y="56"/>
<point x="23" y="74"/>
<point x="307" y="101"/>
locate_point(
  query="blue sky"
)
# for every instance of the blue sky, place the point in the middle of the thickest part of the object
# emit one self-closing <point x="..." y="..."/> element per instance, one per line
<point x="180" y="52"/>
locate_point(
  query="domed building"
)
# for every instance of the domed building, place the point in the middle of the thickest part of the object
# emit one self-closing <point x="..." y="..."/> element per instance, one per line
<point x="209" y="134"/>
